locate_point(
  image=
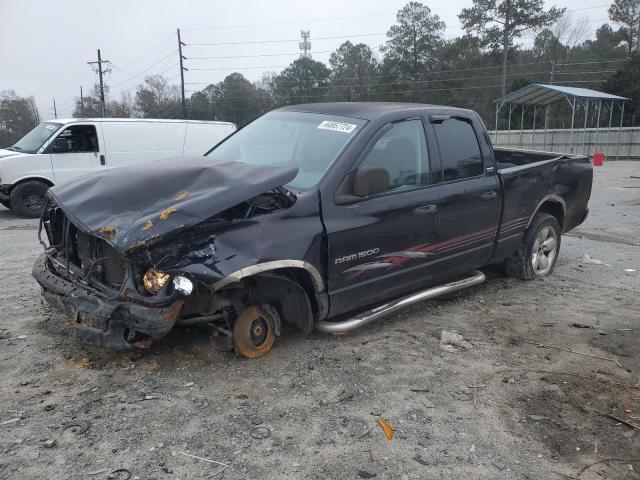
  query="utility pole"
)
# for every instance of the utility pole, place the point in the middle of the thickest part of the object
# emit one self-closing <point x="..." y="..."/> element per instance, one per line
<point x="81" y="103"/>
<point x="182" y="69"/>
<point x="55" y="112"/>
<point x="101" y="72"/>
<point x="305" y="44"/>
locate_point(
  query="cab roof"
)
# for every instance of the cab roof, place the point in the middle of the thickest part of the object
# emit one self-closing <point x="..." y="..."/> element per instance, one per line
<point x="362" y="110"/>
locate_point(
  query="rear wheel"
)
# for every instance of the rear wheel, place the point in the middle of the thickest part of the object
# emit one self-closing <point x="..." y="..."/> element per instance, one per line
<point x="28" y="198"/>
<point x="253" y="333"/>
<point x="538" y="252"/>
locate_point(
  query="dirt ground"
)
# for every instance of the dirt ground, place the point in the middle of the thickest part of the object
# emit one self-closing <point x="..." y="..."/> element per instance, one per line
<point x="506" y="409"/>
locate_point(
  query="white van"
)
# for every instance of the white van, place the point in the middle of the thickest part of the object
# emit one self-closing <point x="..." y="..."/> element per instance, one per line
<point x="59" y="150"/>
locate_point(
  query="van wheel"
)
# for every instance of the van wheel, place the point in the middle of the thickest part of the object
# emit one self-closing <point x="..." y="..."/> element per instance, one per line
<point x="28" y="198"/>
<point x="538" y="252"/>
<point x="253" y="333"/>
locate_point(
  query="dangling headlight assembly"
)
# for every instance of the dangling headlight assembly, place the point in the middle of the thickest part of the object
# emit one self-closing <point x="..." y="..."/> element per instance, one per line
<point x="154" y="281"/>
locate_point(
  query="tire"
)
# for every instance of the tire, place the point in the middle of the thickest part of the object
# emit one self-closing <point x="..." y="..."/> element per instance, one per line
<point x="28" y="198"/>
<point x="541" y="239"/>
<point x="6" y="204"/>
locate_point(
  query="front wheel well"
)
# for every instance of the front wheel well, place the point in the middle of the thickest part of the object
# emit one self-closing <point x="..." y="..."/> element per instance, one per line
<point x="46" y="181"/>
<point x="291" y="290"/>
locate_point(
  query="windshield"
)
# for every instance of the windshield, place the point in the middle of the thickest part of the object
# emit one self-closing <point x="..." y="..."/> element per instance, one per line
<point x="310" y="141"/>
<point x="33" y="140"/>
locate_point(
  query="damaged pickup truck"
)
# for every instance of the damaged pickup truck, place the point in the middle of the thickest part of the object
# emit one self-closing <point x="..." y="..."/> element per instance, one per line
<point x="322" y="216"/>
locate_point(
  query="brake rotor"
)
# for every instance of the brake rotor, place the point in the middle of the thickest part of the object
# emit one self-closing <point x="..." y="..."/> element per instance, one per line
<point x="253" y="333"/>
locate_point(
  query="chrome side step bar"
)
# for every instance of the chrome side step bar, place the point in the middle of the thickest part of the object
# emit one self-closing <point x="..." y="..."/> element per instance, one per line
<point x="368" y="316"/>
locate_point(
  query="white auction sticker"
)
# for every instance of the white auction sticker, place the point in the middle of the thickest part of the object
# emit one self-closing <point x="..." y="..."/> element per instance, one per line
<point x="337" y="126"/>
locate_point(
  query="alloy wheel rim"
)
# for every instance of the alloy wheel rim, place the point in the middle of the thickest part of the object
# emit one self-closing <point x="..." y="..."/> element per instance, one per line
<point x="544" y="251"/>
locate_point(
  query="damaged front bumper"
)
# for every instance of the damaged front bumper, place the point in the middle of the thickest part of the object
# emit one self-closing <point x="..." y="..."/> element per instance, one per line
<point x="105" y="322"/>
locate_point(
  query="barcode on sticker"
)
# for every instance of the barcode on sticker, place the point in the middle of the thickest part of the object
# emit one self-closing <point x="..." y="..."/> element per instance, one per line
<point x="337" y="126"/>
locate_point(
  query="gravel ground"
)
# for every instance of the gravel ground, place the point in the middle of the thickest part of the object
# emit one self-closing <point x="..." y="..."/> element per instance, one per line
<point x="506" y="409"/>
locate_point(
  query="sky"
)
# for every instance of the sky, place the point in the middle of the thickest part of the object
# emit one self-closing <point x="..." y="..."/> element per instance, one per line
<point x="45" y="45"/>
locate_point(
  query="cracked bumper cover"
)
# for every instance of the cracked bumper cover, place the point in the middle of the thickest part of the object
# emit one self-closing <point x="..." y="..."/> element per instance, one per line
<point x="102" y="322"/>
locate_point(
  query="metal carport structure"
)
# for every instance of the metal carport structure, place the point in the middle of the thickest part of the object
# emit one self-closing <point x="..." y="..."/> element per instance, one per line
<point x="539" y="95"/>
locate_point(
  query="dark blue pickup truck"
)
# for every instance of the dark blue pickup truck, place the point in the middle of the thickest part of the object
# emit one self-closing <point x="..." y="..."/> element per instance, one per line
<point x="319" y="216"/>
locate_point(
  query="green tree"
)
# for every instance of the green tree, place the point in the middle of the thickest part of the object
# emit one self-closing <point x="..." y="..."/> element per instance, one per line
<point x="627" y="13"/>
<point x="18" y="115"/>
<point x="605" y="46"/>
<point x="626" y="83"/>
<point x="412" y="47"/>
<point x="157" y="99"/>
<point x="500" y="22"/>
<point x="90" y="107"/>
<point x="200" y="106"/>
<point x="304" y="81"/>
<point x="353" y="71"/>
<point x="237" y="100"/>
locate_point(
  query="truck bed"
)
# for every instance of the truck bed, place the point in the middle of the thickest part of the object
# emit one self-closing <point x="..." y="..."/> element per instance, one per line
<point x="515" y="157"/>
<point x="530" y="178"/>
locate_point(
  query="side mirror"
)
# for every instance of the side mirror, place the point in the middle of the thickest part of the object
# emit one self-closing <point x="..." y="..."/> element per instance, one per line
<point x="370" y="181"/>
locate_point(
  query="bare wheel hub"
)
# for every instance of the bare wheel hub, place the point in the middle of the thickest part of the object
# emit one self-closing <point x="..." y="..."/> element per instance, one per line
<point x="253" y="333"/>
<point x="544" y="251"/>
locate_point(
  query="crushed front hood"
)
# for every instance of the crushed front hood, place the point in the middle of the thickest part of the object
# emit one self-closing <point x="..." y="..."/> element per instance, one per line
<point x="134" y="206"/>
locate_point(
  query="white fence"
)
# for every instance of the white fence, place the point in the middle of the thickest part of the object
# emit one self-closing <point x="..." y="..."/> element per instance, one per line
<point x="616" y="143"/>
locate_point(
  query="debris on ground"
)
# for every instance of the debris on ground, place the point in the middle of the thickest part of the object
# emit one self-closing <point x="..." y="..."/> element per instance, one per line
<point x="386" y="426"/>
<point x="586" y="259"/>
<point x="453" y="342"/>
<point x="365" y="474"/>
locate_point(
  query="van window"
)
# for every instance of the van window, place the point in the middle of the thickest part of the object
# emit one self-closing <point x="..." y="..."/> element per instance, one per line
<point x="76" y="139"/>
<point x="402" y="151"/>
<point x="33" y="140"/>
<point x="459" y="149"/>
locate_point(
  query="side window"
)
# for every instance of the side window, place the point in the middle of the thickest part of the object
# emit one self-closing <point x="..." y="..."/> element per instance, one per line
<point x="459" y="149"/>
<point x="76" y="139"/>
<point x="403" y="152"/>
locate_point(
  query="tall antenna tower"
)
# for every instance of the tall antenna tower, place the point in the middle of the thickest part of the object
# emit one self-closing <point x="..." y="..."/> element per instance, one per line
<point x="305" y="44"/>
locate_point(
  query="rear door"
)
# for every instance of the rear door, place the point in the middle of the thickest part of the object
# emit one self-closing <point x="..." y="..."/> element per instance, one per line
<point x="470" y="201"/>
<point x="77" y="150"/>
<point x="381" y="246"/>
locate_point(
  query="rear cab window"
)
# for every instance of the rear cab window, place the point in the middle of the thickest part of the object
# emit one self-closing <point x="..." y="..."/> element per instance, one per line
<point x="459" y="149"/>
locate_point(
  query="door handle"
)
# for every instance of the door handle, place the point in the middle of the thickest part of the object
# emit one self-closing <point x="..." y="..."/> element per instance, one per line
<point x="102" y="160"/>
<point x="424" y="209"/>
<point x="488" y="195"/>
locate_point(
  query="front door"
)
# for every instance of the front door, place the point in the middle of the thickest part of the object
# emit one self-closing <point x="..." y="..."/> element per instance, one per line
<point x="382" y="246"/>
<point x="76" y="151"/>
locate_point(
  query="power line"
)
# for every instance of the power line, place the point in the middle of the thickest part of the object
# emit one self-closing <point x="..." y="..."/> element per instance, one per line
<point x="456" y="79"/>
<point x="473" y="69"/>
<point x="162" y="42"/>
<point x="255" y="56"/>
<point x="332" y="19"/>
<point x="255" y="42"/>
<point x="138" y="74"/>
<point x="479" y="87"/>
